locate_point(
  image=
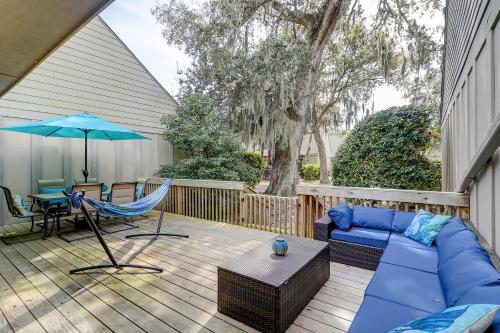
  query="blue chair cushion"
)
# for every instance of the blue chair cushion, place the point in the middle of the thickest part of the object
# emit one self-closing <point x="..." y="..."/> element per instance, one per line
<point x="363" y="236"/>
<point x="459" y="319"/>
<point x="341" y="216"/>
<point x="373" y="218"/>
<point x="405" y="241"/>
<point x="468" y="269"/>
<point x="53" y="190"/>
<point x="380" y="316"/>
<point x="425" y="227"/>
<point x="401" y="221"/>
<point x="411" y="257"/>
<point x="458" y="242"/>
<point x="406" y="286"/>
<point x="485" y="294"/>
<point x="453" y="226"/>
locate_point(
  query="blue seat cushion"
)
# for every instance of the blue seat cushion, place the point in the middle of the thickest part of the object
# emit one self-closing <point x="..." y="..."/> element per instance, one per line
<point x="453" y="226"/>
<point x="485" y="294"/>
<point x="406" y="286"/>
<point x="380" y="316"/>
<point x="411" y="257"/>
<point x="363" y="236"/>
<point x="341" y="216"/>
<point x="401" y="221"/>
<point x="405" y="241"/>
<point x="468" y="269"/>
<point x="454" y="245"/>
<point x="373" y="218"/>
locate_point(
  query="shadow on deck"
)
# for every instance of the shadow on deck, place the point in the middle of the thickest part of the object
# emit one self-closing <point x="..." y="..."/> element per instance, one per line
<point x="37" y="294"/>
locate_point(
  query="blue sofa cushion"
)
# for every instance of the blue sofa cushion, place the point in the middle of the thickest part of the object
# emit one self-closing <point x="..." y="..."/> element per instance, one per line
<point x="363" y="236"/>
<point x="453" y="226"/>
<point x="341" y="216"/>
<point x="485" y="294"/>
<point x="373" y="218"/>
<point x="458" y="319"/>
<point x="458" y="242"/>
<point x="411" y="257"/>
<point x="405" y="241"/>
<point x="468" y="269"/>
<point x="380" y="316"/>
<point x="406" y="286"/>
<point x="425" y="227"/>
<point x="401" y="221"/>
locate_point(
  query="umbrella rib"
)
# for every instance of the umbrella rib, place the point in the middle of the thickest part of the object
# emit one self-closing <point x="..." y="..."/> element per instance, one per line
<point x="53" y="132"/>
<point x="107" y="135"/>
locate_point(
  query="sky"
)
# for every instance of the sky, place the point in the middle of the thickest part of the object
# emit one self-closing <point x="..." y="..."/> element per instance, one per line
<point x="132" y="21"/>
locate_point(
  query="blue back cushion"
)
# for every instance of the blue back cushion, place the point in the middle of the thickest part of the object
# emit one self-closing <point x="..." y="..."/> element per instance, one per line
<point x="485" y="294"/>
<point x="373" y="218"/>
<point x="468" y="269"/>
<point x="453" y="226"/>
<point x="53" y="190"/>
<point x="458" y="242"/>
<point x="401" y="221"/>
<point x="341" y="216"/>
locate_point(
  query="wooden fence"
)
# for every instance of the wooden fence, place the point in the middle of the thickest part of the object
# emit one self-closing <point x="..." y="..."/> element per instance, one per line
<point x="235" y="203"/>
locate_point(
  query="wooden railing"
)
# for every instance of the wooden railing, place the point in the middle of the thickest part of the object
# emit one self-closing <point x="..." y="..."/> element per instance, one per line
<point x="235" y="203"/>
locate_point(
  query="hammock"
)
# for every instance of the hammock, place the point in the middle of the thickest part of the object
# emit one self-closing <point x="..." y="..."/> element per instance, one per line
<point x="136" y="208"/>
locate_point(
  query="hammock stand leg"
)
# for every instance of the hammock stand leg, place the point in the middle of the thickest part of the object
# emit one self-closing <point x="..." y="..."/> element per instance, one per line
<point x="114" y="263"/>
<point x="154" y="234"/>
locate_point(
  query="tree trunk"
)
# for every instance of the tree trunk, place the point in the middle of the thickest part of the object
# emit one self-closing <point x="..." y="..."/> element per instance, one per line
<point x="284" y="174"/>
<point x="323" y="163"/>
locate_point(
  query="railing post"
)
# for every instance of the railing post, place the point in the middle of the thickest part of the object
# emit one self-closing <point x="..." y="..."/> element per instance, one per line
<point x="242" y="207"/>
<point x="301" y="216"/>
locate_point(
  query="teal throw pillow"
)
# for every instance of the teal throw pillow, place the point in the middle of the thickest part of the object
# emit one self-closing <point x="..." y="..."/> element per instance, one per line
<point x="425" y="226"/>
<point x="19" y="205"/>
<point x="471" y="318"/>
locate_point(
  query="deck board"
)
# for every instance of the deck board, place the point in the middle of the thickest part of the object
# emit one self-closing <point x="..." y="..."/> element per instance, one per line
<point x="38" y="295"/>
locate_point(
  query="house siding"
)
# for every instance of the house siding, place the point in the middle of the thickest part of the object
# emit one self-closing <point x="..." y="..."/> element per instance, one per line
<point x="471" y="110"/>
<point x="91" y="72"/>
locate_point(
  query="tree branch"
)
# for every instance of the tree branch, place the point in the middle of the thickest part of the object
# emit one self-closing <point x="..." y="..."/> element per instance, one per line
<point x="293" y="16"/>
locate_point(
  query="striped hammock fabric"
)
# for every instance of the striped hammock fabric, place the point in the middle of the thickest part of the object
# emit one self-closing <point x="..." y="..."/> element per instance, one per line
<point x="136" y="208"/>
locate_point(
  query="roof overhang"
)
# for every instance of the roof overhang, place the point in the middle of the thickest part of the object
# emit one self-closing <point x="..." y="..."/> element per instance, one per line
<point x="30" y="30"/>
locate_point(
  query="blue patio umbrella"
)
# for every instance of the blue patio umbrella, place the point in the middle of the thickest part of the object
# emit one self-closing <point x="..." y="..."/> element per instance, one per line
<point x="85" y="126"/>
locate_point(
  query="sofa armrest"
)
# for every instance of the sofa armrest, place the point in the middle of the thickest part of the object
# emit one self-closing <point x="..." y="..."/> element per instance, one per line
<point x="322" y="228"/>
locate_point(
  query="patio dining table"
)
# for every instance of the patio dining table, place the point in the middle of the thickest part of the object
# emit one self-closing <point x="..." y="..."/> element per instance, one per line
<point x="43" y="200"/>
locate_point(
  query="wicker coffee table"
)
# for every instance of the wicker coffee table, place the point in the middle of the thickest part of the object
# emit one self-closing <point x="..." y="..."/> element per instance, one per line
<point x="268" y="292"/>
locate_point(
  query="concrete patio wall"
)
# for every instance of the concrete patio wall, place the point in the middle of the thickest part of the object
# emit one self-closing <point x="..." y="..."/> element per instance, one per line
<point x="92" y="72"/>
<point x="471" y="111"/>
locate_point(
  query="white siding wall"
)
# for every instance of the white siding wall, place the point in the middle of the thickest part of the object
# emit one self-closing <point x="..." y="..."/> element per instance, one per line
<point x="471" y="105"/>
<point x="92" y="72"/>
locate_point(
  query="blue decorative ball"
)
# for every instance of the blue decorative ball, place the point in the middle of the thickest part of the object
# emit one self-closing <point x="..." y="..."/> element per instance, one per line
<point x="280" y="246"/>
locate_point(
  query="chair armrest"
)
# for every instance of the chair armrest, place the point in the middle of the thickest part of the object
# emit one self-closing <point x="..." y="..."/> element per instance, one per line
<point x="322" y="228"/>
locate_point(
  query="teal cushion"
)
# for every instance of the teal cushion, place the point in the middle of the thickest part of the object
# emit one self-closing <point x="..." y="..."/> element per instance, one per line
<point x="53" y="190"/>
<point x="138" y="191"/>
<point x="425" y="227"/>
<point x="341" y="216"/>
<point x="459" y="319"/>
<point x="373" y="218"/>
<point x="20" y="206"/>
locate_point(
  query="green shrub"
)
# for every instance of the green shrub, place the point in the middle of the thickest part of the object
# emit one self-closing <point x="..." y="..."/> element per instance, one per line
<point x="211" y="150"/>
<point x="388" y="150"/>
<point x="255" y="160"/>
<point x="311" y="171"/>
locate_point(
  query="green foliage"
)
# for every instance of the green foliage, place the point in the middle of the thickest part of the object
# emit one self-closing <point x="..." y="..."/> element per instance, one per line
<point x="311" y="171"/>
<point x="211" y="149"/>
<point x="388" y="150"/>
<point x="255" y="160"/>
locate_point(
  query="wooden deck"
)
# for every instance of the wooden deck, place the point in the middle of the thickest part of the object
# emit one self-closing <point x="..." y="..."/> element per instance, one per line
<point x="38" y="295"/>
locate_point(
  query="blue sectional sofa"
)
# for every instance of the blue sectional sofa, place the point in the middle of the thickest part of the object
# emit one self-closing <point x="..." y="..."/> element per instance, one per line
<point x="411" y="280"/>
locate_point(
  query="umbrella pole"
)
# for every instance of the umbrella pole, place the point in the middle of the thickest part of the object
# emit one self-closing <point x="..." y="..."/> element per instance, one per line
<point x="86" y="172"/>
